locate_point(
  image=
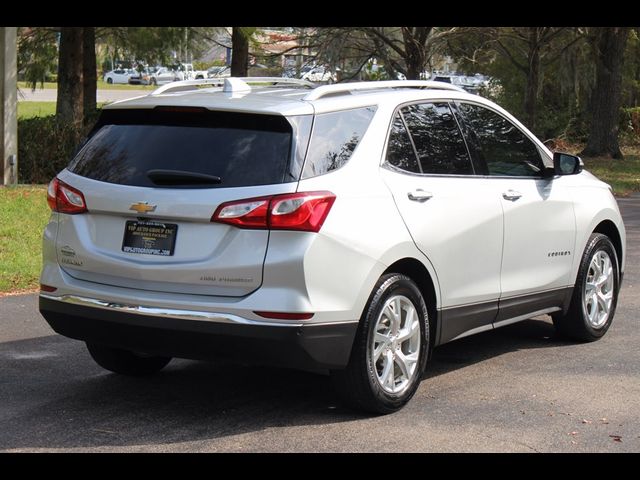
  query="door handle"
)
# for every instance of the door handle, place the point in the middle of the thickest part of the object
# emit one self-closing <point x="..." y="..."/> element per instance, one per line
<point x="511" y="195"/>
<point x="419" y="195"/>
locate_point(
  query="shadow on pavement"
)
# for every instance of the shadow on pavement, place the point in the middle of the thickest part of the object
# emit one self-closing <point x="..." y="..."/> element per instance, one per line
<point x="54" y="396"/>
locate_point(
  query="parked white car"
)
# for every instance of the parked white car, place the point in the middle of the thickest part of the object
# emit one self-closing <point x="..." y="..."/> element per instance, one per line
<point x="121" y="75"/>
<point x="318" y="74"/>
<point x="348" y="228"/>
<point x="186" y="71"/>
<point x="163" y="75"/>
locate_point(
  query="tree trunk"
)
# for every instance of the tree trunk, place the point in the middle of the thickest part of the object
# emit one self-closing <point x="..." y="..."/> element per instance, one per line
<point x="239" y="53"/>
<point x="89" y="74"/>
<point x="414" y="50"/>
<point x="606" y="99"/>
<point x="69" y="106"/>
<point x="533" y="78"/>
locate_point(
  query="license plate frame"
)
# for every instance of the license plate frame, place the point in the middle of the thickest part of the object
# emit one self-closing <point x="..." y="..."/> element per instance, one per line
<point x="149" y="237"/>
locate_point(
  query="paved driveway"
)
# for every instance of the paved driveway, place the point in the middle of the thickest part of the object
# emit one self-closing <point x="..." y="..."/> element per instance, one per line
<point x="517" y="389"/>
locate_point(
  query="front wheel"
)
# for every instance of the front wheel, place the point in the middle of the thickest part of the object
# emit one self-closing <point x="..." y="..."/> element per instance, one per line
<point x="390" y="349"/>
<point x="109" y="80"/>
<point x="125" y="362"/>
<point x="595" y="294"/>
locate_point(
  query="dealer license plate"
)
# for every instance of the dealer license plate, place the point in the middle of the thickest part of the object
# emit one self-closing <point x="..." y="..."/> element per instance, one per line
<point x="152" y="238"/>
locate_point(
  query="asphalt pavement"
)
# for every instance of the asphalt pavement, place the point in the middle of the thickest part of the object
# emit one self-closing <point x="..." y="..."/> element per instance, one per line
<point x="517" y="389"/>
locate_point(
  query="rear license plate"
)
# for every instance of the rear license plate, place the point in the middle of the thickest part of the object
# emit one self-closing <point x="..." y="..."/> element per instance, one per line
<point x="152" y="238"/>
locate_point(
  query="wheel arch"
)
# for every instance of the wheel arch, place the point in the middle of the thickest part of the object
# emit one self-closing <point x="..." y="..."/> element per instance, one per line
<point x="608" y="228"/>
<point x="416" y="270"/>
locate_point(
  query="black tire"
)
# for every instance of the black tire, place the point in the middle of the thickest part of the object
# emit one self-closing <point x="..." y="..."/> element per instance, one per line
<point x="575" y="324"/>
<point x="125" y="362"/>
<point x="109" y="80"/>
<point x="358" y="383"/>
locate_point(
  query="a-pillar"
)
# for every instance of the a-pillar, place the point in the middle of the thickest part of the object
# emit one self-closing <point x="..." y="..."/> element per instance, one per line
<point x="9" y="105"/>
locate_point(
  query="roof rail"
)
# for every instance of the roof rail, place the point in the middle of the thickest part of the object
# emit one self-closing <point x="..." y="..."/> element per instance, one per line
<point x="325" y="90"/>
<point x="185" y="85"/>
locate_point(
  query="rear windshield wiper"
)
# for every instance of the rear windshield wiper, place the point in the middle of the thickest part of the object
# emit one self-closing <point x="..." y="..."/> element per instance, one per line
<point x="179" y="177"/>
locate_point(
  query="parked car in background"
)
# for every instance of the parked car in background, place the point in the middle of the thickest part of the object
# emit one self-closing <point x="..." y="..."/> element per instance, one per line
<point x="163" y="75"/>
<point x="219" y="71"/>
<point x="186" y="71"/>
<point x="120" y="75"/>
<point x="318" y="73"/>
<point x="141" y="77"/>
<point x="470" y="83"/>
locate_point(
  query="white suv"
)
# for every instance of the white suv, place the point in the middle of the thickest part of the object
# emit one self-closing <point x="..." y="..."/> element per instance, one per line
<point x="347" y="228"/>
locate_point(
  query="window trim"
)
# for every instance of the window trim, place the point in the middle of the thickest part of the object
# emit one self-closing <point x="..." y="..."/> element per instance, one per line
<point x="483" y="162"/>
<point x="398" y="109"/>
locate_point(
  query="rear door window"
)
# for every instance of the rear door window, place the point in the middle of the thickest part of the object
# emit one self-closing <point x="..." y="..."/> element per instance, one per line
<point x="438" y="141"/>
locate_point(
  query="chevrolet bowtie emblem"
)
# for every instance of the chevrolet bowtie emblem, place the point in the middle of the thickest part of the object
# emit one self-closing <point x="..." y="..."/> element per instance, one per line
<point x="142" y="207"/>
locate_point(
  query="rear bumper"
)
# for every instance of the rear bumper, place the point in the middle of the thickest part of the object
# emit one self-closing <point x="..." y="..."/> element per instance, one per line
<point x="201" y="336"/>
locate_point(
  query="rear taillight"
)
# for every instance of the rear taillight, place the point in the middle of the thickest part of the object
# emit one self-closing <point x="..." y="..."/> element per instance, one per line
<point x="304" y="212"/>
<point x="64" y="198"/>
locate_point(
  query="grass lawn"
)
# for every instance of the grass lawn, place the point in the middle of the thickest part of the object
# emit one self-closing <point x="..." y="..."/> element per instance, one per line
<point x="39" y="109"/>
<point x="101" y="86"/>
<point x="23" y="215"/>
<point x="36" y="109"/>
<point x="622" y="175"/>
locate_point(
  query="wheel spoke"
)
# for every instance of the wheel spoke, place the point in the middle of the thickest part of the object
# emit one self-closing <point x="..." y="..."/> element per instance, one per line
<point x="406" y="363"/>
<point x="604" y="302"/>
<point x="397" y="316"/>
<point x="387" y="375"/>
<point x="409" y="331"/>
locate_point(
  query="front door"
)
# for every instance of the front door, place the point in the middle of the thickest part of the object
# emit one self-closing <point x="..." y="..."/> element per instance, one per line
<point x="539" y="221"/>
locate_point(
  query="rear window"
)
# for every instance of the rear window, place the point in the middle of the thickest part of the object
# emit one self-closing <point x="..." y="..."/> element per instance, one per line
<point x="240" y="149"/>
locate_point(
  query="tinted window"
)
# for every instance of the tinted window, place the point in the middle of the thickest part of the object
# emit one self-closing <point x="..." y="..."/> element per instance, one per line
<point x="241" y="149"/>
<point x="503" y="147"/>
<point x="439" y="143"/>
<point x="400" y="152"/>
<point x="334" y="138"/>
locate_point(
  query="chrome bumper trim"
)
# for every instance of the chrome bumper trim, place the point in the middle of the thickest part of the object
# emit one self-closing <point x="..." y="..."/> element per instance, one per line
<point x="214" y="317"/>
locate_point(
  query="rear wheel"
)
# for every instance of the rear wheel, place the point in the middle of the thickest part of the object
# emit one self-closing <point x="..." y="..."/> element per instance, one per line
<point x="125" y="362"/>
<point x="595" y="294"/>
<point x="390" y="349"/>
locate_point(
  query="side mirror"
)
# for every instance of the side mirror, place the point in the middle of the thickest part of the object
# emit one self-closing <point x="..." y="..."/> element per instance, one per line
<point x="567" y="164"/>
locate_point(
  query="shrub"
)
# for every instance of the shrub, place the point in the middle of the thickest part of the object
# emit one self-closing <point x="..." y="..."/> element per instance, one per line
<point x="44" y="148"/>
<point x="630" y="126"/>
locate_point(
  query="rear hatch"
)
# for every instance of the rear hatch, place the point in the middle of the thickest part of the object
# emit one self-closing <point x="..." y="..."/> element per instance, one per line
<point x="152" y="179"/>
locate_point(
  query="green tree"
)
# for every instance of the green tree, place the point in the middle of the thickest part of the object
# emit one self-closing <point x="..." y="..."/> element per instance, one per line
<point x="609" y="46"/>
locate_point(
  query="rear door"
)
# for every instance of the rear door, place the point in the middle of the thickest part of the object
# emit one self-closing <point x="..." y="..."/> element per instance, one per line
<point x="453" y="216"/>
<point x="149" y="181"/>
